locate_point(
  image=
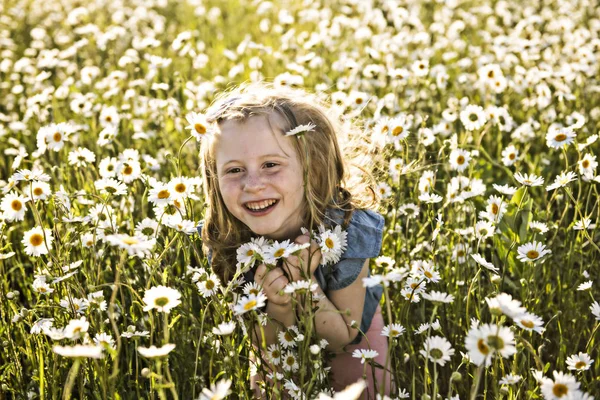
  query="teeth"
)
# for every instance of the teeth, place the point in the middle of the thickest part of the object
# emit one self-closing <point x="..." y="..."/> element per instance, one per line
<point x="259" y="205"/>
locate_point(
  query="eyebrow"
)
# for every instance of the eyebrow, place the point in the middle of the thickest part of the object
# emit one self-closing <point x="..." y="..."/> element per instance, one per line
<point x="273" y="155"/>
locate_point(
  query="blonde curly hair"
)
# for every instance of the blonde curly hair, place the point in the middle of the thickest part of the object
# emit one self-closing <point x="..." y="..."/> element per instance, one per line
<point x="326" y="155"/>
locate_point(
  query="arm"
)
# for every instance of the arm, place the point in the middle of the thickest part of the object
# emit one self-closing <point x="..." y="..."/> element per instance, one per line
<point x="332" y="322"/>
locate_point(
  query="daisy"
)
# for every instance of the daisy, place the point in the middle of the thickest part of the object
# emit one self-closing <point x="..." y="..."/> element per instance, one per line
<point x="505" y="304"/>
<point x="104" y="340"/>
<point x="249" y="303"/>
<point x="135" y="245"/>
<point x="540" y="227"/>
<point x="420" y="68"/>
<point x="147" y="227"/>
<point x="532" y="251"/>
<point x="301" y="129"/>
<point x="199" y="126"/>
<point x="81" y="157"/>
<point x="160" y="194"/>
<point x="530" y="322"/>
<point x="430" y="198"/>
<point x="438" y="297"/>
<point x="529" y="180"/>
<point x="562" y="180"/>
<point x="76" y="328"/>
<point x="582" y="224"/>
<point x="384" y="190"/>
<point x="564" y="386"/>
<point x="162" y="298"/>
<point x="351" y="392"/>
<point x="484" y="263"/>
<point x="411" y="210"/>
<point x="110" y="186"/>
<point x="482" y="342"/>
<point x="224" y="328"/>
<point x="595" y="309"/>
<point x="13" y="207"/>
<point x="209" y="286"/>
<point x="128" y="171"/>
<point x="288" y="337"/>
<point x="40" y="286"/>
<point x="79" y="351"/>
<point x="437" y="349"/>
<point x="587" y="165"/>
<point x="290" y="362"/>
<point x="109" y="116"/>
<point x="398" y="128"/>
<point x="279" y="250"/>
<point x="459" y="159"/>
<point x="393" y="330"/>
<point x="585" y="286"/>
<point x="182" y="187"/>
<point x="410" y="295"/>
<point x="484" y="229"/>
<point x="153" y="351"/>
<point x="505" y="189"/>
<point x="274" y="354"/>
<point x="559" y="137"/>
<point x="34" y="242"/>
<point x="364" y="354"/>
<point x="301" y="287"/>
<point x="333" y="243"/>
<point x="217" y="391"/>
<point x="510" y="155"/>
<point x="510" y="379"/>
<point x="27" y="175"/>
<point x="473" y="117"/>
<point x="74" y="304"/>
<point x="579" y="362"/>
<point x="495" y="208"/>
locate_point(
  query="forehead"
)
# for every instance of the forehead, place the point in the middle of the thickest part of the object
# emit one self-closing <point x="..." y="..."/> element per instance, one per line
<point x="252" y="138"/>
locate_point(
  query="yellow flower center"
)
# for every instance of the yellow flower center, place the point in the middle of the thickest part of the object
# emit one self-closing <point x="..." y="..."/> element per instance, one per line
<point x="527" y="323"/>
<point x="36" y="239"/>
<point x="482" y="347"/>
<point x="359" y="100"/>
<point x="580" y="365"/>
<point x="495" y="208"/>
<point x="397" y="130"/>
<point x="560" y="137"/>
<point x="532" y="254"/>
<point x="180" y="188"/>
<point x="164" y="194"/>
<point x="38" y="191"/>
<point x="329" y="243"/>
<point x="460" y="160"/>
<point x="201" y="129"/>
<point x="496" y="342"/>
<point x="130" y="240"/>
<point x="161" y="301"/>
<point x="210" y="285"/>
<point x="16" y="205"/>
<point x="559" y="389"/>
<point x="250" y="305"/>
<point x="250" y="253"/>
<point x="585" y="164"/>
<point x="512" y="156"/>
<point x="279" y="253"/>
<point x="57" y="136"/>
<point x="127" y="170"/>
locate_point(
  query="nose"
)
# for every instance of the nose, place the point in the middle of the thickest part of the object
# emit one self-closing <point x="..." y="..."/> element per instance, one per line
<point x="253" y="182"/>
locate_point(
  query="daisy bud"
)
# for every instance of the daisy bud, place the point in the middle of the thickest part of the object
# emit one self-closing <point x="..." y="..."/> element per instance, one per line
<point x="504" y="389"/>
<point x="315" y="349"/>
<point x="352" y="323"/>
<point x="496" y="279"/>
<point x="10" y="295"/>
<point x="145" y="372"/>
<point x="456" y="377"/>
<point x="406" y="358"/>
<point x="523" y="282"/>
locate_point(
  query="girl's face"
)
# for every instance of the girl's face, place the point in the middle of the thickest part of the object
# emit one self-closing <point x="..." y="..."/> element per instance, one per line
<point x="260" y="176"/>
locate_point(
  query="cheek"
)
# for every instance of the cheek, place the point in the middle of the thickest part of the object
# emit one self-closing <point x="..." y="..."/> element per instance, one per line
<point x="228" y="192"/>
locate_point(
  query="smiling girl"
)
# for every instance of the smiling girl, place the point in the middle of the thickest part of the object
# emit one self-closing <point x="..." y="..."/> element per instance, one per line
<point x="262" y="179"/>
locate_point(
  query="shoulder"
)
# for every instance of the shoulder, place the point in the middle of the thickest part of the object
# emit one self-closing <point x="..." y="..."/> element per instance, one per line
<point x="365" y="232"/>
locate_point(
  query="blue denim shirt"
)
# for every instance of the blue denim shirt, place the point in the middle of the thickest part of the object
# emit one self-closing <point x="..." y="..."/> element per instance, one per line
<point x="364" y="236"/>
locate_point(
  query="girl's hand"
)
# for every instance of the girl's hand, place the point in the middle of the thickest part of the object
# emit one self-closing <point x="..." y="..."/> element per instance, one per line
<point x="273" y="282"/>
<point x="293" y="264"/>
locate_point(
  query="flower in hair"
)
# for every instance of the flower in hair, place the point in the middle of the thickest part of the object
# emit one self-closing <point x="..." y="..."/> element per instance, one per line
<point x="199" y="126"/>
<point x="301" y="129"/>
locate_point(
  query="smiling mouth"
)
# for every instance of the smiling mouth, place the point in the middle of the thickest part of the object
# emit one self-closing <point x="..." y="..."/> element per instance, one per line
<point x="258" y="206"/>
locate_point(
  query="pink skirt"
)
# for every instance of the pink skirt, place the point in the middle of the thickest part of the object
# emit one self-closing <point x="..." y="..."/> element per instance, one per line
<point x="346" y="370"/>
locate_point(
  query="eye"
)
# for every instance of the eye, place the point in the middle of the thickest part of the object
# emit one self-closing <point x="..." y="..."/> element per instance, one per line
<point x="271" y="164"/>
<point x="234" y="170"/>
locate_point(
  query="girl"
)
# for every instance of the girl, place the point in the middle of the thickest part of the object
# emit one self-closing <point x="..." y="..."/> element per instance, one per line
<point x="262" y="179"/>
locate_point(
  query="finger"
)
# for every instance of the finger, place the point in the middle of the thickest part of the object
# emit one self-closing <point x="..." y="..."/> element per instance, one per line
<point x="302" y="239"/>
<point x="272" y="276"/>
<point x="260" y="273"/>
